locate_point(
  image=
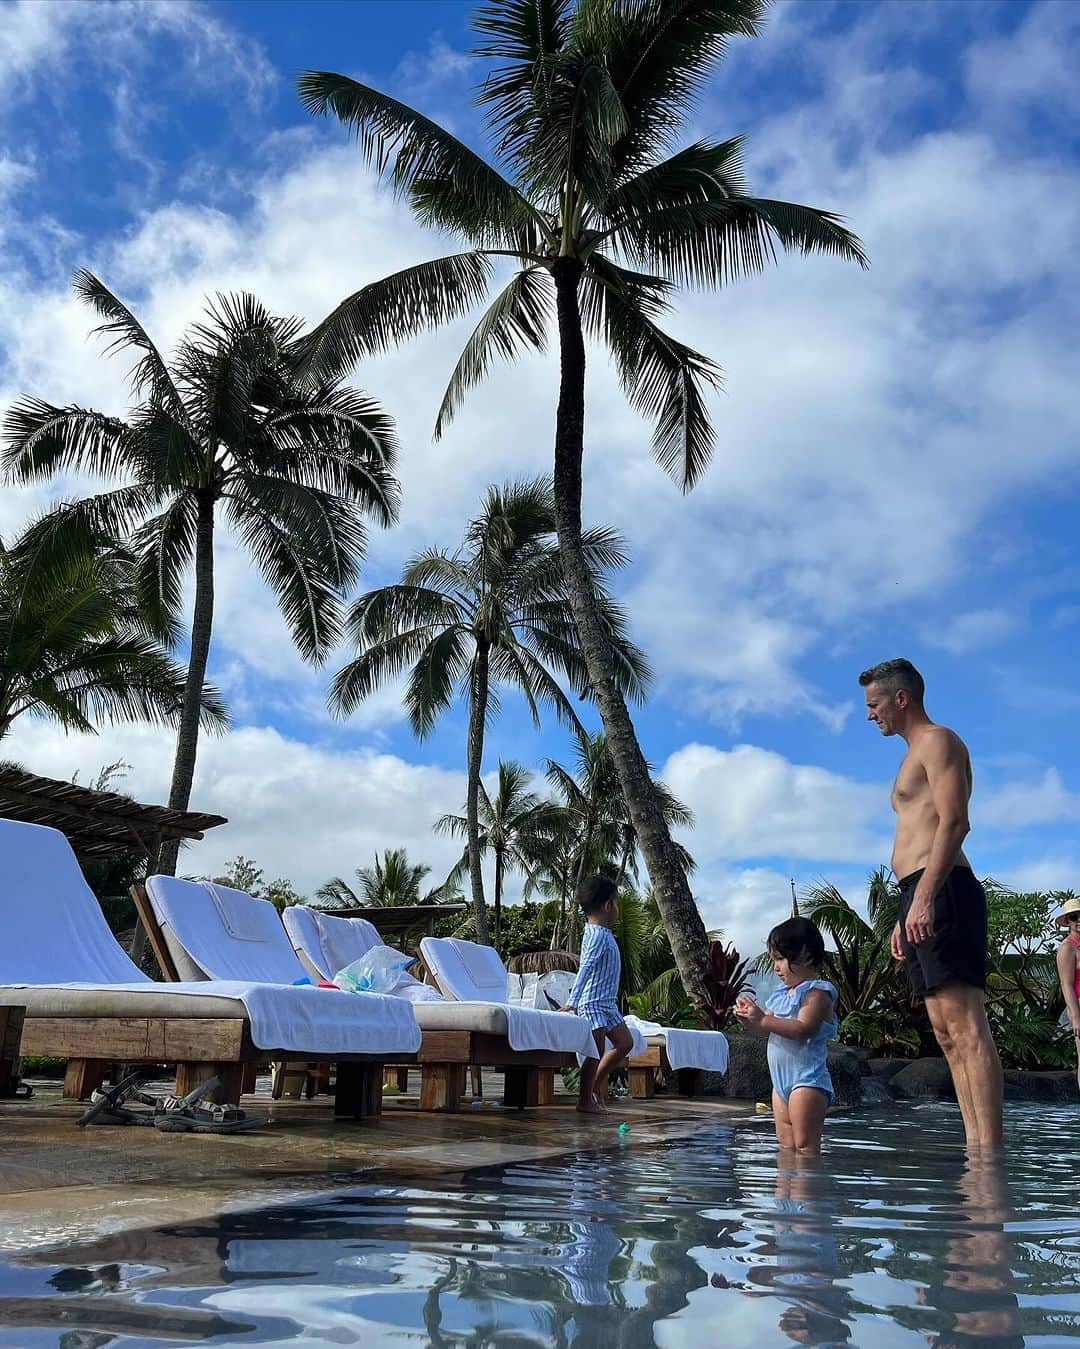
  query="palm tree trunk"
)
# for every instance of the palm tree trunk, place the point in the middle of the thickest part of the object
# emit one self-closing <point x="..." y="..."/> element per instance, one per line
<point x="628" y="848"/>
<point x="202" y="622"/>
<point x="498" y="892"/>
<point x="686" y="931"/>
<point x="477" y="716"/>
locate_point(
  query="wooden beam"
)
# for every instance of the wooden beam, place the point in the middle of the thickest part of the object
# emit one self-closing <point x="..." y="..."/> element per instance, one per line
<point x="154" y="934"/>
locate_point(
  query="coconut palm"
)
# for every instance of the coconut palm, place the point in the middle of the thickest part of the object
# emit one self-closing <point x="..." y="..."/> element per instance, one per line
<point x="591" y="794"/>
<point x="293" y="461"/>
<point x="602" y="217"/>
<point x="492" y="614"/>
<point x="75" y="648"/>
<point x="392" y="881"/>
<point x="514" y="827"/>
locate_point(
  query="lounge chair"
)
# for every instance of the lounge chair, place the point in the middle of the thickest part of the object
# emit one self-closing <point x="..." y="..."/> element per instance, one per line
<point x="86" y="1001"/>
<point x="210" y="931"/>
<point x="462" y="969"/>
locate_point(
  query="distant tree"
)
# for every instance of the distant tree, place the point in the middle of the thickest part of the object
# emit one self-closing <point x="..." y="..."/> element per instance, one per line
<point x="392" y="881"/>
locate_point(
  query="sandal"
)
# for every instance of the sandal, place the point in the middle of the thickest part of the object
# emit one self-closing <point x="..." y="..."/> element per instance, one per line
<point x="192" y="1114"/>
<point x="111" y="1107"/>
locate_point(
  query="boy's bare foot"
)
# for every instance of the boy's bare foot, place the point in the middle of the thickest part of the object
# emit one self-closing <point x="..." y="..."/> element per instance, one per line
<point x="601" y="1107"/>
<point x="590" y="1107"/>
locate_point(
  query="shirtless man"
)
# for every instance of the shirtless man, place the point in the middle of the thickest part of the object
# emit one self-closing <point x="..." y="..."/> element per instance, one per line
<point x="941" y="933"/>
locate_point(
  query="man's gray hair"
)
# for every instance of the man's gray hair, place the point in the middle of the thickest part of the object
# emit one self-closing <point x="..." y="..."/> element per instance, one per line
<point x="893" y="675"/>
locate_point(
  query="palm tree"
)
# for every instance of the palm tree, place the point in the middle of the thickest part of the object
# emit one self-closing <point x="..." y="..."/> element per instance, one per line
<point x="392" y="881"/>
<point x="591" y="794"/>
<point x="493" y="613"/>
<point x="514" y="828"/>
<point x="602" y="217"/>
<point x="293" y="460"/>
<point x="74" y="646"/>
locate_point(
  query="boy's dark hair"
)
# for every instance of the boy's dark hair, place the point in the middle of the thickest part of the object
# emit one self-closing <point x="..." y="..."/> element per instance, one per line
<point x="594" y="892"/>
<point x="893" y="675"/>
<point x="797" y="939"/>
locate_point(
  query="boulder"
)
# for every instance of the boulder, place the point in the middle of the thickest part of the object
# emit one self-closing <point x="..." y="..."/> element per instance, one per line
<point x="1022" y="1085"/>
<point x="874" y="1091"/>
<point x="846" y="1071"/>
<point x="926" y="1078"/>
<point x="747" y="1077"/>
<point x="886" y="1069"/>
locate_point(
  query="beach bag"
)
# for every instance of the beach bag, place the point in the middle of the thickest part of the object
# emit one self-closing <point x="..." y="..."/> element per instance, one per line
<point x="548" y="992"/>
<point x="377" y="971"/>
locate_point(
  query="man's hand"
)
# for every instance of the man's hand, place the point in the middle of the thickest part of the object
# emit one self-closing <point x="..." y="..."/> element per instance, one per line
<point x="895" y="945"/>
<point x="920" y="920"/>
<point x="571" y="1010"/>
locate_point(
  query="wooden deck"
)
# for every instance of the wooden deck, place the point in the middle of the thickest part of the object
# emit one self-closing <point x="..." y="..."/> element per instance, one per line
<point x="62" y="1183"/>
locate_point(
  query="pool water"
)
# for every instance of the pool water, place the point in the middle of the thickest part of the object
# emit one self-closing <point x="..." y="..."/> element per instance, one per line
<point x="892" y="1239"/>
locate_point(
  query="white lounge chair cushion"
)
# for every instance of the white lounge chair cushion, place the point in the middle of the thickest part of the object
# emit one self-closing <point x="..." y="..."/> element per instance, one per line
<point x="55" y="943"/>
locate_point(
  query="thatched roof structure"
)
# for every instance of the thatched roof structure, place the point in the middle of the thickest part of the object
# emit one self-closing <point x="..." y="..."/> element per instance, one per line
<point x="543" y="962"/>
<point x="97" y="824"/>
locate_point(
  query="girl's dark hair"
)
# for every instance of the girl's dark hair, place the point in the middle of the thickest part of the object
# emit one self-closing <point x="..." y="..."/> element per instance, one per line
<point x="594" y="892"/>
<point x="797" y="939"/>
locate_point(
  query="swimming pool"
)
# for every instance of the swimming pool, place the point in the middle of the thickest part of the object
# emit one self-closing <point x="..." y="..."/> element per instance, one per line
<point x="891" y="1240"/>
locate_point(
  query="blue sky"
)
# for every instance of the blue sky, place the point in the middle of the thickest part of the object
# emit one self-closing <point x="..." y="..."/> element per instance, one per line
<point x="897" y="461"/>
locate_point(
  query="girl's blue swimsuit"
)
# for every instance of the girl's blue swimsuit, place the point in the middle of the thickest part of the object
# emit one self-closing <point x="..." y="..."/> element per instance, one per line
<point x="791" y="1063"/>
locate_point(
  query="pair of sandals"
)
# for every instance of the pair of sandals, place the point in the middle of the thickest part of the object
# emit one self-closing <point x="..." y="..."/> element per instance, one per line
<point x="127" y="1103"/>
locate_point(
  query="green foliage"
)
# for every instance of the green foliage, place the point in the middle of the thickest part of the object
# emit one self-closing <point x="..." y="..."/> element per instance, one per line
<point x="392" y="881"/>
<point x="244" y="874"/>
<point x="526" y="927"/>
<point x="664" y="1000"/>
<point x="75" y="644"/>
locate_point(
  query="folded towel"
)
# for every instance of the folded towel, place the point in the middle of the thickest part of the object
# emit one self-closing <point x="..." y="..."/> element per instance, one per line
<point x="242" y="918"/>
<point x="484" y="968"/>
<point x="707" y="1049"/>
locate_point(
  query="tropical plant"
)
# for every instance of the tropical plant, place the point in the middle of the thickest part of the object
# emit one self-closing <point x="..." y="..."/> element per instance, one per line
<point x="590" y="795"/>
<point x="244" y="874"/>
<point x="76" y="648"/>
<point x="603" y="218"/>
<point x="514" y="828"/>
<point x="392" y="881"/>
<point x="292" y="459"/>
<point x="492" y="614"/>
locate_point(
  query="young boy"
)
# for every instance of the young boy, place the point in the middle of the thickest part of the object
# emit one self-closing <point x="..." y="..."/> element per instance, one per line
<point x="594" y="995"/>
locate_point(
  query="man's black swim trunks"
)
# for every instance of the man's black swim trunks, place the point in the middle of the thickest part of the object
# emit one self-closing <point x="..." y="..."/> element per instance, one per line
<point x="956" y="952"/>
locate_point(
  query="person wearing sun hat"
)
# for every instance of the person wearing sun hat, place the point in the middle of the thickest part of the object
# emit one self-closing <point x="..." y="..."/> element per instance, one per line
<point x="1068" y="965"/>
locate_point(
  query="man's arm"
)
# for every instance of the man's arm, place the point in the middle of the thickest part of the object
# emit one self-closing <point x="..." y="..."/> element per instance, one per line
<point x="944" y="760"/>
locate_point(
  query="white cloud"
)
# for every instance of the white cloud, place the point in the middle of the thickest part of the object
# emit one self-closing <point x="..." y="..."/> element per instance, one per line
<point x="973" y="631"/>
<point x="303" y="811"/>
<point x="751" y="802"/>
<point x="1035" y="800"/>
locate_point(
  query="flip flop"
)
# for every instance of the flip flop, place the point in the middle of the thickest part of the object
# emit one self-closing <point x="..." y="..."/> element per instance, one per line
<point x="108" y="1107"/>
<point x="192" y="1114"/>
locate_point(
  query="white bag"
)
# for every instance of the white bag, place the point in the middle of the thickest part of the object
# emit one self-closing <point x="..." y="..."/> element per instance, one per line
<point x="377" y="971"/>
<point x="548" y="992"/>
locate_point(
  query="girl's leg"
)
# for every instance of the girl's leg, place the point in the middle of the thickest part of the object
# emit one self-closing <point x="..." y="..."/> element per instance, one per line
<point x="782" y="1120"/>
<point x="621" y="1044"/>
<point x="806" y="1111"/>
<point x="587" y="1102"/>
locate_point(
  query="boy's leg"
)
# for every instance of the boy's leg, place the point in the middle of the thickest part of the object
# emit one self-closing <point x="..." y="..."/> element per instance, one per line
<point x="587" y="1102"/>
<point x="782" y="1120"/>
<point x="806" y="1109"/>
<point x="621" y="1044"/>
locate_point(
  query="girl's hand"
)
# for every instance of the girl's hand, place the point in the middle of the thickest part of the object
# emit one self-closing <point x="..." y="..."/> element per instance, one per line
<point x="749" y="1011"/>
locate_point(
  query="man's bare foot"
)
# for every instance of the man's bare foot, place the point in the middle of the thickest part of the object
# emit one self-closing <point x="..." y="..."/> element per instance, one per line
<point x="590" y="1107"/>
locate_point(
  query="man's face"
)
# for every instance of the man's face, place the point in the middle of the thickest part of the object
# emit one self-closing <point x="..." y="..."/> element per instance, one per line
<point x="883" y="709"/>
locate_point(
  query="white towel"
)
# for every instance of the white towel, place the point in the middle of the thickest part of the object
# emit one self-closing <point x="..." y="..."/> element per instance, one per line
<point x="707" y="1049"/>
<point x="526" y="1027"/>
<point x="242" y="919"/>
<point x="192" y="914"/>
<point x="54" y="935"/>
<point x="329" y="943"/>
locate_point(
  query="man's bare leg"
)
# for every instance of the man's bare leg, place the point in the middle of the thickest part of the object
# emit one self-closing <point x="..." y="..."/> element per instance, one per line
<point x="958" y="1016"/>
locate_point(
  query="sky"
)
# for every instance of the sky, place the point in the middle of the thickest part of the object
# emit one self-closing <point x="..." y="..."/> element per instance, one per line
<point x="897" y="467"/>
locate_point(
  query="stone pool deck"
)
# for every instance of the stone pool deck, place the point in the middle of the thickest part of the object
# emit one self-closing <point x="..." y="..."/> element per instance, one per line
<point x="60" y="1184"/>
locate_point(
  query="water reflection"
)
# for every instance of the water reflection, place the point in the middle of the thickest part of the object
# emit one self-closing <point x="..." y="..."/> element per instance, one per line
<point x="977" y="1293"/>
<point x="890" y="1241"/>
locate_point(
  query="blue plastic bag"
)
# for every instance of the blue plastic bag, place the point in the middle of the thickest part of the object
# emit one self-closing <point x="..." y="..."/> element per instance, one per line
<point x="377" y="971"/>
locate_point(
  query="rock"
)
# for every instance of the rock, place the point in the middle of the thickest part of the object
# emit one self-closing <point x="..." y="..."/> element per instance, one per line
<point x="1022" y="1085"/>
<point x="747" y="1077"/>
<point x="846" y="1071"/>
<point x="927" y="1078"/>
<point x="874" y="1091"/>
<point x="887" y="1069"/>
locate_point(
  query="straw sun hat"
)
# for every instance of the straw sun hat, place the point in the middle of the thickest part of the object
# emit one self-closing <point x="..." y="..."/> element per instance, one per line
<point x="1069" y="910"/>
